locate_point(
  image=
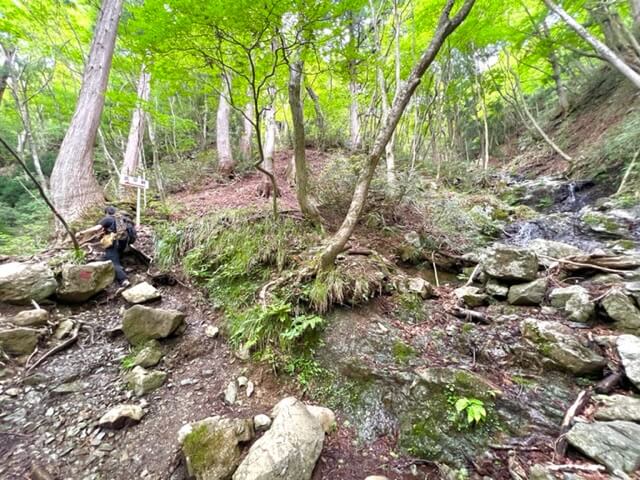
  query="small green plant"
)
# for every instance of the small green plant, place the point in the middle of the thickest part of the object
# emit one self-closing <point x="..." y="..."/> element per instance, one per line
<point x="472" y="408"/>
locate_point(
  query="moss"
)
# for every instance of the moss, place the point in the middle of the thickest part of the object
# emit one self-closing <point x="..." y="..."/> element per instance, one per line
<point x="410" y="308"/>
<point x="402" y="352"/>
<point x="602" y="221"/>
<point x="201" y="447"/>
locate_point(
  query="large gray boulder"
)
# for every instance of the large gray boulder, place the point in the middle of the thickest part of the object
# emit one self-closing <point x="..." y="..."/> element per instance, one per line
<point x="606" y="224"/>
<point x="559" y="344"/>
<point x="141" y="293"/>
<point x="575" y="301"/>
<point x="617" y="407"/>
<point x="622" y="309"/>
<point x="141" y="324"/>
<point x="559" y="296"/>
<point x="629" y="350"/>
<point x="143" y="381"/>
<point x="613" y="444"/>
<point x="511" y="264"/>
<point x="531" y="293"/>
<point x="211" y="446"/>
<point x="81" y="282"/>
<point x="546" y="250"/>
<point x="22" y="282"/>
<point x="19" y="341"/>
<point x="290" y="448"/>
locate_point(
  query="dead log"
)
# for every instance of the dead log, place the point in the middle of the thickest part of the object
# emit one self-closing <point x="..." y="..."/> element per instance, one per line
<point x="471" y="315"/>
<point x="561" y="442"/>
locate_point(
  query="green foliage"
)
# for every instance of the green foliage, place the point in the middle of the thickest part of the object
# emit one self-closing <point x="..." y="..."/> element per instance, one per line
<point x="472" y="408"/>
<point x="24" y="228"/>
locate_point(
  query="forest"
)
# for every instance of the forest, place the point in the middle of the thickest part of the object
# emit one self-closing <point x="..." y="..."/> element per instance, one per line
<point x="319" y="239"/>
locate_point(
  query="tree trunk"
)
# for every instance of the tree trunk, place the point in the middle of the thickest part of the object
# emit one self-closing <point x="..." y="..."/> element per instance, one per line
<point x="635" y="13"/>
<point x="136" y="130"/>
<point x="319" y="116"/>
<point x="354" y="118"/>
<point x="247" y="133"/>
<point x="266" y="187"/>
<point x="157" y="172"/>
<point x="226" y="163"/>
<point x="602" y="50"/>
<point x="307" y="206"/>
<point x="561" y="91"/>
<point x="9" y="52"/>
<point x="445" y="27"/>
<point x="73" y="185"/>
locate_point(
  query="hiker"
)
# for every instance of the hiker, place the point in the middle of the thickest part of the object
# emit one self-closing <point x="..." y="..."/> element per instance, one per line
<point x="118" y="233"/>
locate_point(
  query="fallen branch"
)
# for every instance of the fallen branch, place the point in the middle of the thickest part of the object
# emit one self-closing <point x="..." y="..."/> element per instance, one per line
<point x="435" y="269"/>
<point x="472" y="276"/>
<point x="67" y="343"/>
<point x="584" y="265"/>
<point x="522" y="448"/>
<point x="470" y="315"/>
<point x="576" y="468"/>
<point x="561" y="443"/>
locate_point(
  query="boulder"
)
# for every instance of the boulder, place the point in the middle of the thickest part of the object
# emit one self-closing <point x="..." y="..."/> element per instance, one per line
<point x="149" y="356"/>
<point x="420" y="286"/>
<point x="121" y="416"/>
<point x="496" y="289"/>
<point x="550" y="248"/>
<point x="141" y="293"/>
<point x="64" y="328"/>
<point x="629" y="350"/>
<point x="210" y="446"/>
<point x="288" y="450"/>
<point x="559" y="296"/>
<point x="580" y="308"/>
<point x="19" y="341"/>
<point x="559" y="344"/>
<point x="633" y="289"/>
<point x="531" y="293"/>
<point x="31" y="318"/>
<point x="22" y="282"/>
<point x="613" y="444"/>
<point x="141" y="324"/>
<point x="606" y="224"/>
<point x="622" y="310"/>
<point x="471" y="296"/>
<point x="324" y="415"/>
<point x="511" y="264"/>
<point x="81" y="282"/>
<point x="617" y="407"/>
<point x="143" y="381"/>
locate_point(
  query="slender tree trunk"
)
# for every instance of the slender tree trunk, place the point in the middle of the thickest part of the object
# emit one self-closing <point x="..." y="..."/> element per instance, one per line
<point x="226" y="163"/>
<point x="307" y="206"/>
<point x="354" y="114"/>
<point x="320" y="124"/>
<point x="73" y="185"/>
<point x="561" y="91"/>
<point x="107" y="154"/>
<point x="25" y="117"/>
<point x="602" y="50"/>
<point x="446" y="26"/>
<point x="9" y="53"/>
<point x="635" y="13"/>
<point x="136" y="130"/>
<point x="247" y="133"/>
<point x="205" y="123"/>
<point x="157" y="171"/>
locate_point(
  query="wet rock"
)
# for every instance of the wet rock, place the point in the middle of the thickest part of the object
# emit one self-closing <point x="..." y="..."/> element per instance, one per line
<point x="546" y="250"/>
<point x="629" y="351"/>
<point x="471" y="296"/>
<point x="143" y="381"/>
<point x="231" y="393"/>
<point x="121" y="416"/>
<point x="511" y="264"/>
<point x="606" y="224"/>
<point x="141" y="293"/>
<point x="613" y="444"/>
<point x="617" y="407"/>
<point x="496" y="289"/>
<point x="211" y="446"/>
<point x="559" y="296"/>
<point x="149" y="356"/>
<point x="420" y="287"/>
<point x="19" y="341"/>
<point x="64" y="328"/>
<point x="292" y="445"/>
<point x="531" y="293"/>
<point x="141" y="324"/>
<point x="559" y="344"/>
<point x="79" y="283"/>
<point x="31" y="318"/>
<point x="622" y="310"/>
<point x="22" y="282"/>
<point x="261" y="422"/>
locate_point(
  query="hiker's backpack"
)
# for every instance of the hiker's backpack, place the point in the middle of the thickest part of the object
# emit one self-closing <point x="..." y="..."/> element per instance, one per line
<point x="125" y="229"/>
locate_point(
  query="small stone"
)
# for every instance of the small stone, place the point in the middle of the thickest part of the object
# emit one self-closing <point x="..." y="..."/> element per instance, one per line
<point x="531" y="293"/>
<point x="19" y="341"/>
<point x="149" y="356"/>
<point x="31" y="318"/>
<point x="13" y="392"/>
<point x="420" y="286"/>
<point x="242" y="381"/>
<point x="121" y="416"/>
<point x="243" y="353"/>
<point x="261" y="422"/>
<point x="141" y="324"/>
<point x="250" y="388"/>
<point x="231" y="393"/>
<point x="211" y="331"/>
<point x="471" y="296"/>
<point x="141" y="293"/>
<point x="64" y="329"/>
<point x="143" y="381"/>
<point x="496" y="289"/>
